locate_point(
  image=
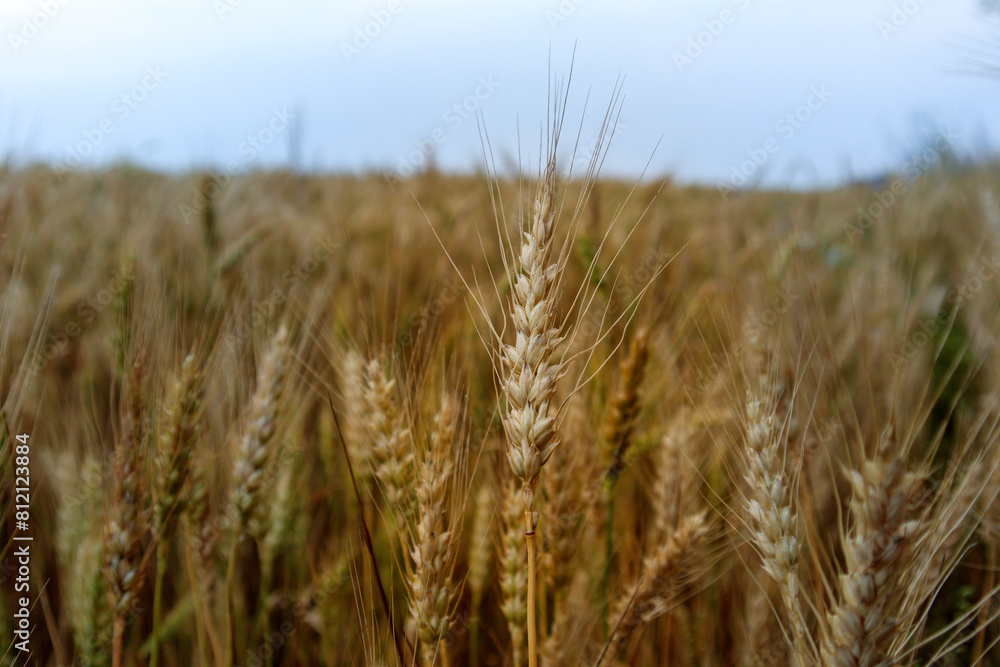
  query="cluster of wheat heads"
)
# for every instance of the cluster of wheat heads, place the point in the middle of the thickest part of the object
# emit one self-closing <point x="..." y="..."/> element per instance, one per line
<point x="646" y="427"/>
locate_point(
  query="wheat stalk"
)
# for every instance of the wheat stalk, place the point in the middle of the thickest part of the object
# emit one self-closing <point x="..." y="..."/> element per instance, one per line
<point x="668" y="490"/>
<point x="565" y="506"/>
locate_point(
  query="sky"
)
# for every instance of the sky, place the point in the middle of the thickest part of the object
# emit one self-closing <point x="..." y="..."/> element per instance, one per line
<point x="722" y="92"/>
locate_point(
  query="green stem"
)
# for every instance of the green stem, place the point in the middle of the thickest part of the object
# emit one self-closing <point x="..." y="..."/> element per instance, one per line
<point x="161" y="568"/>
<point x="230" y="575"/>
<point x="474" y="637"/>
<point x="608" y="555"/>
<point x="199" y="605"/>
<point x="266" y="566"/>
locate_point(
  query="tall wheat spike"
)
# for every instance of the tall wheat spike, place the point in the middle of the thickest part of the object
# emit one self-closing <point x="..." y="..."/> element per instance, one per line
<point x="180" y="427"/>
<point x="256" y="449"/>
<point x="531" y="373"/>
<point x="773" y="520"/>
<point x="435" y="542"/>
<point x="391" y="454"/>
<point x="862" y="624"/>
<point x="254" y="458"/>
<point x="624" y="407"/>
<point x="128" y="521"/>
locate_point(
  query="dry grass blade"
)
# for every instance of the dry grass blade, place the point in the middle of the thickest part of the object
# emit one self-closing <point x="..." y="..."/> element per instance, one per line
<point x="366" y="535"/>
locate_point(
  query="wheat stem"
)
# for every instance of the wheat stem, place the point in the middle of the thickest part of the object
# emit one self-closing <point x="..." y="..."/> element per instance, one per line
<point x="199" y="604"/>
<point x="230" y="576"/>
<point x="530" y="524"/>
<point x="982" y="621"/>
<point x="161" y="568"/>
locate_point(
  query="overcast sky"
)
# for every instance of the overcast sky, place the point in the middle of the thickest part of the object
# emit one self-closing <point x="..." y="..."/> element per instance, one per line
<point x="793" y="93"/>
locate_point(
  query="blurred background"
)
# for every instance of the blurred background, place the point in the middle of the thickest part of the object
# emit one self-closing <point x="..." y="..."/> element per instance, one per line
<point x="729" y="93"/>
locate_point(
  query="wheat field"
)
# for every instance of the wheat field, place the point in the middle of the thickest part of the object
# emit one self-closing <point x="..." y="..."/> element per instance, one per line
<point x="283" y="419"/>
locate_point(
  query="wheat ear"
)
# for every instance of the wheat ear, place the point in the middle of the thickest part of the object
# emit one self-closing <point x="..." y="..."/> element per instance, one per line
<point x="254" y="456"/>
<point x="80" y="552"/>
<point x="479" y="559"/>
<point x="861" y="627"/>
<point x="391" y="454"/>
<point x="181" y="423"/>
<point x="773" y="521"/>
<point x="255" y="451"/>
<point x="624" y="407"/>
<point x="355" y="397"/>
<point x="665" y="572"/>
<point x="123" y="550"/>
<point x="434" y="545"/>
